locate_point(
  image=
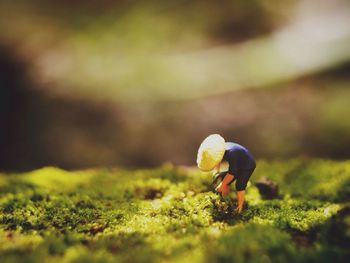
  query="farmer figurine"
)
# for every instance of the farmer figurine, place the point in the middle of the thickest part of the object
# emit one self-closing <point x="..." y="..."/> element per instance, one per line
<point x="212" y="151"/>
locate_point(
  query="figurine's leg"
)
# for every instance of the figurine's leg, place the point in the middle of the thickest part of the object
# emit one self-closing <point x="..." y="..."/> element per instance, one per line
<point x="243" y="179"/>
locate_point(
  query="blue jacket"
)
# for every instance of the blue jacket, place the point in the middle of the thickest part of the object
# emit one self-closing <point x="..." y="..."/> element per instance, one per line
<point x="238" y="158"/>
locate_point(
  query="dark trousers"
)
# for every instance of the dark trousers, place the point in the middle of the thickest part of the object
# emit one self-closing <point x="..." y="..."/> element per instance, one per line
<point x="242" y="178"/>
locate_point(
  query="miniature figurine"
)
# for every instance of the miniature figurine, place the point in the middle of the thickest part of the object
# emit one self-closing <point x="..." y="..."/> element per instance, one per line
<point x="212" y="151"/>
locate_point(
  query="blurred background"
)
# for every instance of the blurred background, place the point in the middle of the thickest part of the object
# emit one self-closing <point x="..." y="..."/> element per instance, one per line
<point x="136" y="83"/>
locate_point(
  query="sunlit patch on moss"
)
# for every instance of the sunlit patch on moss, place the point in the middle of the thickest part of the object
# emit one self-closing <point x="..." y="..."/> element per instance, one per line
<point x="55" y="178"/>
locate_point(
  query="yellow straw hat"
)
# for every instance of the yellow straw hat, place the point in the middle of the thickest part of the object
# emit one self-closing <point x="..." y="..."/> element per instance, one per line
<point x="210" y="152"/>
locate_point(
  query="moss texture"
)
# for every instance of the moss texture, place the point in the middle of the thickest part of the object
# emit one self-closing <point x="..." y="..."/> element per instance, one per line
<point x="170" y="214"/>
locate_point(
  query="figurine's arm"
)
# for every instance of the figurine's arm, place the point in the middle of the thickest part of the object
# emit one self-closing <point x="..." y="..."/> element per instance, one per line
<point x="223" y="187"/>
<point x="228" y="178"/>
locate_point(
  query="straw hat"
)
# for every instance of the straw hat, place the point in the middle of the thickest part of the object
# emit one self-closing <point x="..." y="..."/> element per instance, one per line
<point x="210" y="152"/>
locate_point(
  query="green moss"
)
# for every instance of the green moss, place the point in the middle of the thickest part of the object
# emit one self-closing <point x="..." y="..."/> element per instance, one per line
<point x="302" y="215"/>
<point x="251" y="243"/>
<point x="171" y="214"/>
<point x="304" y="178"/>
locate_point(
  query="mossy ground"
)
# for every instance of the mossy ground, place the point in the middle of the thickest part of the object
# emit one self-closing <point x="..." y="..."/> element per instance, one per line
<point x="170" y="214"/>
